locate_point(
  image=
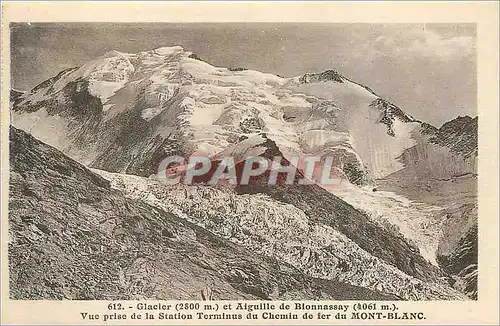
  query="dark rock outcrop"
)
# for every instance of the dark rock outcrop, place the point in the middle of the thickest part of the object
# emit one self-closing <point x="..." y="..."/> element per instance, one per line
<point x="327" y="75"/>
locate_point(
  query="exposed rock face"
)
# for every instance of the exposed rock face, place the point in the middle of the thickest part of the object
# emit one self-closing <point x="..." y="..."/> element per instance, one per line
<point x="328" y="75"/>
<point x="73" y="237"/>
<point x="389" y="112"/>
<point x="14" y="96"/>
<point x="443" y="153"/>
<point x="459" y="258"/>
<point x="459" y="135"/>
<point x="441" y="170"/>
<point x="462" y="261"/>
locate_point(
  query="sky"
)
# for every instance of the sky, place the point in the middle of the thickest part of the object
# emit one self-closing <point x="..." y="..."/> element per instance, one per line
<point x="428" y="70"/>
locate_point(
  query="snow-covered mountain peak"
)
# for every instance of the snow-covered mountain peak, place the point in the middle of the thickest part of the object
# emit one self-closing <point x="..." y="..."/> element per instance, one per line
<point x="169" y="93"/>
<point x="168" y="50"/>
<point x="327" y="75"/>
<point x="389" y="113"/>
<point x="115" y="53"/>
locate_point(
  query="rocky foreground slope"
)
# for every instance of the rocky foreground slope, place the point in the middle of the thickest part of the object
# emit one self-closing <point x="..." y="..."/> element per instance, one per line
<point x="71" y="236"/>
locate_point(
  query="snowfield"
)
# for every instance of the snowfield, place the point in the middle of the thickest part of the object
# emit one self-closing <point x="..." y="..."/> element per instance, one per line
<point x="420" y="222"/>
<point x="168" y="91"/>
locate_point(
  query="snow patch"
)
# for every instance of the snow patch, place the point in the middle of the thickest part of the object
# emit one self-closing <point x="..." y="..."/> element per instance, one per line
<point x="419" y="222"/>
<point x="50" y="129"/>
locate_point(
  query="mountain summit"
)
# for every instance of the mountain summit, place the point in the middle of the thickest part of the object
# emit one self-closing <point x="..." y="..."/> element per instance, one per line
<point x="403" y="223"/>
<point x="125" y="112"/>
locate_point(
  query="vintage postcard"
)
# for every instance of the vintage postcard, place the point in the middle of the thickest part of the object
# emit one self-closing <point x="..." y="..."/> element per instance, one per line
<point x="250" y="163"/>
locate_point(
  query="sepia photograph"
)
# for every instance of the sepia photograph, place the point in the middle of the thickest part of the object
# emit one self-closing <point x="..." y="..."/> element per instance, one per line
<point x="318" y="163"/>
<point x="96" y="109"/>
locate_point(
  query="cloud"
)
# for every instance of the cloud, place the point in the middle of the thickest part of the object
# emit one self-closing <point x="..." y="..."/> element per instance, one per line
<point x="423" y="42"/>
